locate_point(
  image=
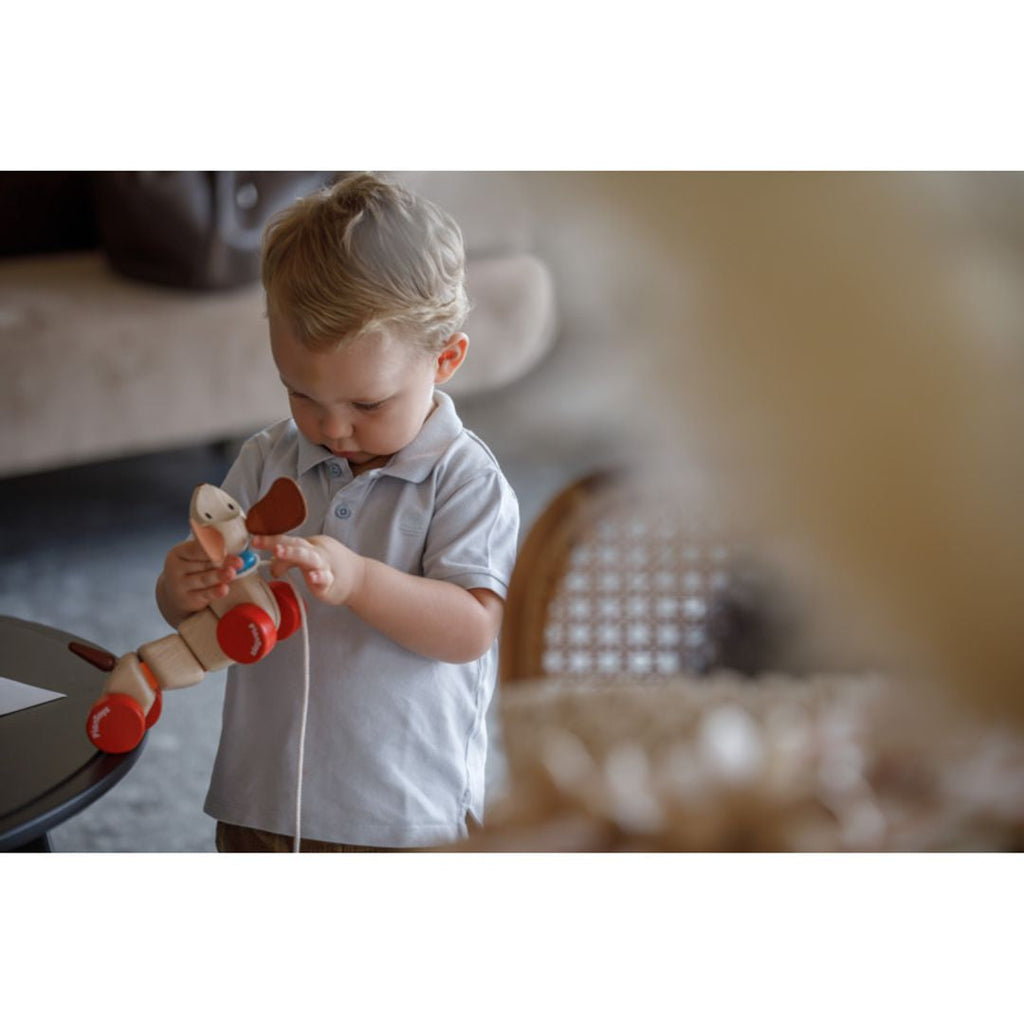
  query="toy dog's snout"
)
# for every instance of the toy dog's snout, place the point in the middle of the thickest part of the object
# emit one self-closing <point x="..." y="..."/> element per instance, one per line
<point x="218" y="522"/>
<point x="222" y="527"/>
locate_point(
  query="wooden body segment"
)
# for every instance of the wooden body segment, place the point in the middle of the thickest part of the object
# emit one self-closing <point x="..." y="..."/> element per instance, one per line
<point x="129" y="678"/>
<point x="199" y="631"/>
<point x="249" y="588"/>
<point x="172" y="662"/>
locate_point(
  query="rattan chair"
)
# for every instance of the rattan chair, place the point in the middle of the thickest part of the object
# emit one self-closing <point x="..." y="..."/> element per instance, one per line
<point x="616" y="579"/>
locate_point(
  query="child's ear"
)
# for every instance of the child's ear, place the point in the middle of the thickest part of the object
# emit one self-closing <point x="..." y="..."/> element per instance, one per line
<point x="451" y="357"/>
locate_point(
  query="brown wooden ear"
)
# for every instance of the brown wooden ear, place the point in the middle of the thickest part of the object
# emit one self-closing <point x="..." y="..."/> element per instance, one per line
<point x="281" y="509"/>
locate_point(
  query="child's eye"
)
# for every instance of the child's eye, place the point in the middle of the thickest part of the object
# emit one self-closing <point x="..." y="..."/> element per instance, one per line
<point x="369" y="406"/>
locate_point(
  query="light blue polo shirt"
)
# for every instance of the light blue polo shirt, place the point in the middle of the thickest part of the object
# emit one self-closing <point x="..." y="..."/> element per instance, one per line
<point x="395" y="742"/>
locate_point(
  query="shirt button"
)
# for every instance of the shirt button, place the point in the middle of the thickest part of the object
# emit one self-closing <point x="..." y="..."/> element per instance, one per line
<point x="335" y="469"/>
<point x="343" y="511"/>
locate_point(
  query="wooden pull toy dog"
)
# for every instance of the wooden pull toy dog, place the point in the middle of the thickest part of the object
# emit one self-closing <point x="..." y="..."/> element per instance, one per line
<point x="243" y="626"/>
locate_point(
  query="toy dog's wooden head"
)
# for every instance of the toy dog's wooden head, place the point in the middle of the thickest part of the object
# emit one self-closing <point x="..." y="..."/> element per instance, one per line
<point x="221" y="526"/>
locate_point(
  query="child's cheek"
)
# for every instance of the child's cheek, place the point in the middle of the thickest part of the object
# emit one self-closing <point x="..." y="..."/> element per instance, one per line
<point x="305" y="421"/>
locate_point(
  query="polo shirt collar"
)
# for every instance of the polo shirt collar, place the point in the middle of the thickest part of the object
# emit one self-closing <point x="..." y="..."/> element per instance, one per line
<point x="310" y="455"/>
<point x="417" y="459"/>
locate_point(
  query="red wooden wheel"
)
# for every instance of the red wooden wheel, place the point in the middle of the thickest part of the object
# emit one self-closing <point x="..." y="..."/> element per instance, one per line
<point x="246" y="633"/>
<point x="288" y="602"/>
<point x="116" y="723"/>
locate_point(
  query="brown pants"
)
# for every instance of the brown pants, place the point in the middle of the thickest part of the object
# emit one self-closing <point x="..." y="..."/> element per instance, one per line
<point x="239" y="839"/>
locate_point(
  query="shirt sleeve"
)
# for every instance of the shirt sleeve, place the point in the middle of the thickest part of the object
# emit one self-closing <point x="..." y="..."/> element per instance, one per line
<point x="474" y="533"/>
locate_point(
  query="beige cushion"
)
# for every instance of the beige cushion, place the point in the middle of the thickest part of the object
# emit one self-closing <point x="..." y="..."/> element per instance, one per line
<point x="511" y="324"/>
<point x="97" y="366"/>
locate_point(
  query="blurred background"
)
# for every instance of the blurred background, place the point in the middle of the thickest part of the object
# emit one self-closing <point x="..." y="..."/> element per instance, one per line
<point x="835" y="359"/>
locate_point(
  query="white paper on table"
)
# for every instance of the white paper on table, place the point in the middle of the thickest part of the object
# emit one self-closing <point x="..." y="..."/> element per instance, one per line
<point x="15" y="696"/>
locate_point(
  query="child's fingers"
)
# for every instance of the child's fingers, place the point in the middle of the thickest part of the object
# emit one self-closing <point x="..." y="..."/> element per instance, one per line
<point x="299" y="554"/>
<point x="319" y="582"/>
<point x="196" y="569"/>
<point x="197" y="600"/>
<point x="319" y="579"/>
<point x="209" y="580"/>
<point x="191" y="551"/>
<point x="279" y="568"/>
<point x="288" y="552"/>
<point x="195" y="584"/>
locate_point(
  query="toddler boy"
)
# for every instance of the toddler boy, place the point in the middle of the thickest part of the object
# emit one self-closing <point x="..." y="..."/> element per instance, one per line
<point x="406" y="552"/>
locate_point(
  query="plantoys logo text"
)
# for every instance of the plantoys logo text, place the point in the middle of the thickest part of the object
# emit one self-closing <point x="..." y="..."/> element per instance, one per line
<point x="97" y="718"/>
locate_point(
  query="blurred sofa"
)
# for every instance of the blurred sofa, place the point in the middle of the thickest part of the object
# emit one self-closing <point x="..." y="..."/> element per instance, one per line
<point x="98" y="365"/>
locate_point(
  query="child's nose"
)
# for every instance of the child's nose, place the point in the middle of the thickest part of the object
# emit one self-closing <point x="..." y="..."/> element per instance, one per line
<point x="335" y="425"/>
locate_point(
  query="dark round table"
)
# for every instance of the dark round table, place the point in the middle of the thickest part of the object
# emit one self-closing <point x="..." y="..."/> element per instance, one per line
<point x="49" y="770"/>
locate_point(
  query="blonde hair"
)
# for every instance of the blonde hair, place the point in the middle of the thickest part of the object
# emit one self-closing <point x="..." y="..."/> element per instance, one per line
<point x="363" y="254"/>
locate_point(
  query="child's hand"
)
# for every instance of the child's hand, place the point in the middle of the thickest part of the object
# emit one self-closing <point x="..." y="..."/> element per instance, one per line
<point x="190" y="581"/>
<point x="332" y="571"/>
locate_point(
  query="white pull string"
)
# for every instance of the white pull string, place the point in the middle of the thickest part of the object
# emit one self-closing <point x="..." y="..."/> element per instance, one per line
<point x="302" y="728"/>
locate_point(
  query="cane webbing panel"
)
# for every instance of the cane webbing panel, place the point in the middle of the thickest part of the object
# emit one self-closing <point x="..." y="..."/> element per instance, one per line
<point x="619" y="582"/>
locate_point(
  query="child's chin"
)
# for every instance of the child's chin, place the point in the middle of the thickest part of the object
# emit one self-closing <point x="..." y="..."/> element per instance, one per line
<point x="361" y="459"/>
<point x="351" y="456"/>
